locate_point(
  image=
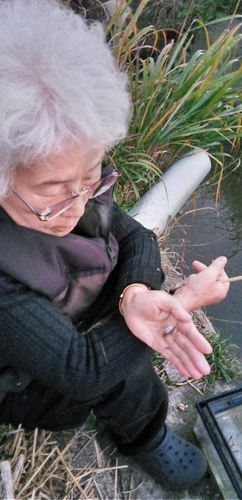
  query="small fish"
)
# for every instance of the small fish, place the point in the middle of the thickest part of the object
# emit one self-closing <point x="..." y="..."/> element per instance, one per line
<point x="169" y="330"/>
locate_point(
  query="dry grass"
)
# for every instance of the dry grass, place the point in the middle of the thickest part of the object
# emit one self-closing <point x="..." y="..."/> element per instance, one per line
<point x="49" y="465"/>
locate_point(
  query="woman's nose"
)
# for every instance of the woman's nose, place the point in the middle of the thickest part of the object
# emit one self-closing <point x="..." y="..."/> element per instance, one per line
<point x="78" y="206"/>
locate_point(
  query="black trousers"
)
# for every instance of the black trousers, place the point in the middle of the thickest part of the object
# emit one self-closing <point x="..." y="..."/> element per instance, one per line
<point x="132" y="403"/>
<point x="132" y="411"/>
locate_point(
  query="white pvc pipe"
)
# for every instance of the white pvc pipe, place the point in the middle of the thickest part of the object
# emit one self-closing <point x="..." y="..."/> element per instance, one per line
<point x="165" y="199"/>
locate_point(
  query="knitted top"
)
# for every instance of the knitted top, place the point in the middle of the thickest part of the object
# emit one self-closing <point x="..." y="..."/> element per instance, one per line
<point x="40" y="342"/>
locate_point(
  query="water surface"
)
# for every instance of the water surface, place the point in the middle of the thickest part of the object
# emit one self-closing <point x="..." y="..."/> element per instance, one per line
<point x="204" y="230"/>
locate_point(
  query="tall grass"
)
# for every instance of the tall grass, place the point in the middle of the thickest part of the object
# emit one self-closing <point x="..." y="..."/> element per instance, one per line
<point x="180" y="102"/>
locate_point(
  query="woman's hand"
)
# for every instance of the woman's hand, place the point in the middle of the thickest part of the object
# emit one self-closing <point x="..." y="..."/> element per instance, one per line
<point x="149" y="313"/>
<point x="206" y="287"/>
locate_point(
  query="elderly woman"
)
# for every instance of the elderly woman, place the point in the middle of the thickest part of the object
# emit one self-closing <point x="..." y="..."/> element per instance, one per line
<point x="81" y="305"/>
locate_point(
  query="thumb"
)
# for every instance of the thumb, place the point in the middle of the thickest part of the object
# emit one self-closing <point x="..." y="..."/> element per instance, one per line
<point x="219" y="263"/>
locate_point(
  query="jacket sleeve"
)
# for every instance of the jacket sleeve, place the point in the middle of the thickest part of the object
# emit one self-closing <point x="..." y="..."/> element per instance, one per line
<point x="39" y="342"/>
<point x="139" y="255"/>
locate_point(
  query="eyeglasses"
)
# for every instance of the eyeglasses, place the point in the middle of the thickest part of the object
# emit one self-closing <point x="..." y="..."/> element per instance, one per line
<point x="94" y="190"/>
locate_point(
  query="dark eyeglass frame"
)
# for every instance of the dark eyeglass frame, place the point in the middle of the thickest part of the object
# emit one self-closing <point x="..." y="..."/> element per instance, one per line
<point x="53" y="211"/>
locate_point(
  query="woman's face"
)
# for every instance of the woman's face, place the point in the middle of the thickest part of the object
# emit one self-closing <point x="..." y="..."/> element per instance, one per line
<point x="51" y="181"/>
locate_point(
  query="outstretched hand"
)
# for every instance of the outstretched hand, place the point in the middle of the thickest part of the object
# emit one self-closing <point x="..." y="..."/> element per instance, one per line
<point x="206" y="287"/>
<point x="148" y="314"/>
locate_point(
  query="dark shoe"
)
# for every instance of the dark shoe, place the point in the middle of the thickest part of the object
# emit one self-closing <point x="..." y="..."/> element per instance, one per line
<point x="173" y="463"/>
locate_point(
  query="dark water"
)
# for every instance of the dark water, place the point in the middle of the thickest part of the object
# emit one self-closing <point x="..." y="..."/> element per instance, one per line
<point x="206" y="230"/>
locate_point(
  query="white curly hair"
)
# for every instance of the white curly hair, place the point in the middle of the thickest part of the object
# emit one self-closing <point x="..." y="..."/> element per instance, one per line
<point x="58" y="81"/>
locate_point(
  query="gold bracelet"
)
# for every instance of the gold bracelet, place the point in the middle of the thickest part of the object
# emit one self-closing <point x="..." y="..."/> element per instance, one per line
<point x="123" y="292"/>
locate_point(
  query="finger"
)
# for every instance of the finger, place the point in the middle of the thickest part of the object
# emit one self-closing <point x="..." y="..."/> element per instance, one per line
<point x="218" y="264"/>
<point x="195" y="367"/>
<point x="194" y="354"/>
<point x="186" y="357"/>
<point x="190" y="344"/>
<point x="187" y="331"/>
<point x="198" y="266"/>
<point x="190" y="332"/>
<point x="166" y="303"/>
<point x="217" y="267"/>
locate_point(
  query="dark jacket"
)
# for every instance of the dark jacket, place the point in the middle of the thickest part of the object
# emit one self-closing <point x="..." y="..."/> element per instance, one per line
<point x="41" y="342"/>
